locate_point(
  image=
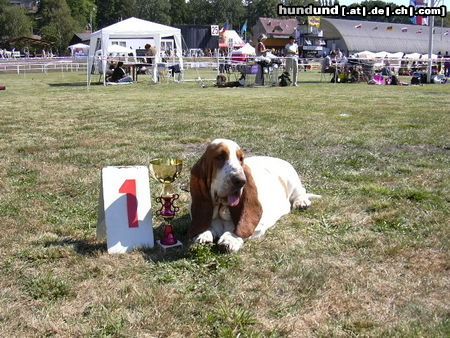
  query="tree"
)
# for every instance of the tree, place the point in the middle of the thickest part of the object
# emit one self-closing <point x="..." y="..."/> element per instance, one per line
<point x="200" y="12"/>
<point x="81" y="11"/>
<point x="154" y="10"/>
<point x="261" y="8"/>
<point x="228" y="11"/>
<point x="57" y="24"/>
<point x="179" y="12"/>
<point x="112" y="11"/>
<point x="14" y="21"/>
<point x="445" y="21"/>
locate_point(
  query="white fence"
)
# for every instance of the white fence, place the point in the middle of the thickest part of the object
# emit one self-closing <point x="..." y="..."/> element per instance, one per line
<point x="44" y="65"/>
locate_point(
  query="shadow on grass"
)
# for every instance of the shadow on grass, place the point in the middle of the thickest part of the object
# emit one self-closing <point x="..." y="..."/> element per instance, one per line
<point x="74" y="84"/>
<point x="82" y="247"/>
<point x="180" y="226"/>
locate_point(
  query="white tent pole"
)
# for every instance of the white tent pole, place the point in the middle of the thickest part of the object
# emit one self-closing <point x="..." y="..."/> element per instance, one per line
<point x="88" y="83"/>
<point x="157" y="58"/>
<point x="430" y="43"/>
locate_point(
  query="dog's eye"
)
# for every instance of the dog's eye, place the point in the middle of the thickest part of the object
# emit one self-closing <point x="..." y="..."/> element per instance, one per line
<point x="221" y="157"/>
<point x="240" y="156"/>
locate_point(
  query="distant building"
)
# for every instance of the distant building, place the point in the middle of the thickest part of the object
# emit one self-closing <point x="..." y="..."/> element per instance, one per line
<point x="310" y="37"/>
<point x="29" y="5"/>
<point x="356" y="36"/>
<point x="276" y="30"/>
<point x="80" y="38"/>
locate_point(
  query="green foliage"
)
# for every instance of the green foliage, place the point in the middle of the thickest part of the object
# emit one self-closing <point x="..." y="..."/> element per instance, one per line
<point x="81" y="11"/>
<point x="206" y="256"/>
<point x="47" y="287"/>
<point x="154" y="10"/>
<point x="14" y="21"/>
<point x="261" y="8"/>
<point x="57" y="24"/>
<point x="179" y="12"/>
<point x="231" y="11"/>
<point x="200" y="12"/>
<point x="229" y="321"/>
<point x="110" y="12"/>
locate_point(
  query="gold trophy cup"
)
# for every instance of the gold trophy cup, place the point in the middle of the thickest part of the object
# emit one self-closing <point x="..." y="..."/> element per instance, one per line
<point x="166" y="171"/>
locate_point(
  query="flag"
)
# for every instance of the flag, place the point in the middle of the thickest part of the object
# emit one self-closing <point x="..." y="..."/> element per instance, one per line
<point x="314" y="21"/>
<point x="244" y="27"/>
<point x="389" y="28"/>
<point x="419" y="20"/>
<point x="404" y="29"/>
<point x="358" y="26"/>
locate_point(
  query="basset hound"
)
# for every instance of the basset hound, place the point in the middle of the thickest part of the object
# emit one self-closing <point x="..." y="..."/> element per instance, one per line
<point x="235" y="198"/>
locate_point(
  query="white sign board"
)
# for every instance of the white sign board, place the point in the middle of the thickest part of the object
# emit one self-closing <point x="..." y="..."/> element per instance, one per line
<point x="125" y="217"/>
<point x="214" y="30"/>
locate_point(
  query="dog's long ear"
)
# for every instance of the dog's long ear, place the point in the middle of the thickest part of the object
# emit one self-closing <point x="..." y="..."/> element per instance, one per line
<point x="247" y="214"/>
<point x="202" y="206"/>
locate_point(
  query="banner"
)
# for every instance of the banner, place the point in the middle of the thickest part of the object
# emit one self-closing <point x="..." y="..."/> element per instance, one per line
<point x="314" y="21"/>
<point x="419" y="20"/>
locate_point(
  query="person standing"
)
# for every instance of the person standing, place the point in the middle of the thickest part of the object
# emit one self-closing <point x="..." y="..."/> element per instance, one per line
<point x="261" y="52"/>
<point x="291" y="50"/>
<point x="447" y="64"/>
<point x="150" y="52"/>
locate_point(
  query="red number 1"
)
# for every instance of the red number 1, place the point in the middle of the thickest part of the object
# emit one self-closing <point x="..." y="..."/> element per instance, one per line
<point x="129" y="187"/>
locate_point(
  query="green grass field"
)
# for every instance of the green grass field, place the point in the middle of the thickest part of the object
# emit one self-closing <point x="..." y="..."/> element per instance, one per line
<point x="369" y="259"/>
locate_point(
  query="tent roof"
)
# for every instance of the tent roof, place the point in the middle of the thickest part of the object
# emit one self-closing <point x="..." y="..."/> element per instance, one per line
<point x="384" y="36"/>
<point x="230" y="34"/>
<point x="78" y="45"/>
<point x="136" y="28"/>
<point x="247" y="49"/>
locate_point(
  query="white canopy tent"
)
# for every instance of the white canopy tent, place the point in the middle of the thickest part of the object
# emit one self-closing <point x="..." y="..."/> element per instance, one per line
<point x="413" y="56"/>
<point x="132" y="28"/>
<point x="397" y="55"/>
<point x="78" y="47"/>
<point x="247" y="49"/>
<point x="433" y="57"/>
<point x="364" y="55"/>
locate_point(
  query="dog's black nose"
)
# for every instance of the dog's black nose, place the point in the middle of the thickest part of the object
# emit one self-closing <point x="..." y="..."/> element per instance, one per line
<point x="238" y="181"/>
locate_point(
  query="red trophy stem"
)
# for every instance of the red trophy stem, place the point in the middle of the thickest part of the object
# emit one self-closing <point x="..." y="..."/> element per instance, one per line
<point x="168" y="211"/>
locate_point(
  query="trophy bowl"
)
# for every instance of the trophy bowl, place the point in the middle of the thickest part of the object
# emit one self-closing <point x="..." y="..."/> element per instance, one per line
<point x="166" y="171"/>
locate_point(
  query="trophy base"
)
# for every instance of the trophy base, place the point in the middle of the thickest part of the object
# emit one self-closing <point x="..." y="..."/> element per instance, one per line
<point x="164" y="247"/>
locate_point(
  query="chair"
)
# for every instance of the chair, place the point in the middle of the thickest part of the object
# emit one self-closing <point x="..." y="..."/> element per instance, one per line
<point x="162" y="71"/>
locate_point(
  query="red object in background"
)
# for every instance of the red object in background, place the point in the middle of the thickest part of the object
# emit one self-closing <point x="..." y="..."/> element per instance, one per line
<point x="2" y="87"/>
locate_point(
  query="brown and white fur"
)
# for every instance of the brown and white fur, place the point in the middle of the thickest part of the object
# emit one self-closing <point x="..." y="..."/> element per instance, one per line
<point x="235" y="198"/>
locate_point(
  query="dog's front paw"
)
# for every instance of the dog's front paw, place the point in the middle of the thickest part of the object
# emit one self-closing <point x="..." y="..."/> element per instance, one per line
<point x="230" y="242"/>
<point x="204" y="238"/>
<point x="301" y="203"/>
<point x="304" y="201"/>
